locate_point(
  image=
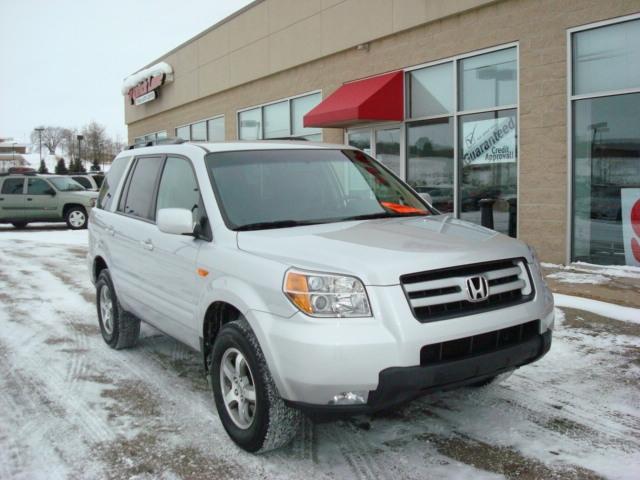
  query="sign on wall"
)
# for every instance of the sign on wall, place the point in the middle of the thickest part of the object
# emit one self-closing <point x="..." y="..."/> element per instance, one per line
<point x="630" y="199"/>
<point x="142" y="87"/>
<point x="489" y="141"/>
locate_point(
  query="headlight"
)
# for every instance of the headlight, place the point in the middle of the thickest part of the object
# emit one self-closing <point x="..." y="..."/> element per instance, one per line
<point x="326" y="295"/>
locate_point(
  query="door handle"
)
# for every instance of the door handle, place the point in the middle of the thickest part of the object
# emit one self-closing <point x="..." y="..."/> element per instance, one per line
<point x="110" y="230"/>
<point x="1" y="199"/>
<point x="148" y="244"/>
<point x="29" y="199"/>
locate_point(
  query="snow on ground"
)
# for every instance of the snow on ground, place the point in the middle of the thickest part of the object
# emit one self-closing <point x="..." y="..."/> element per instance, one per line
<point x="609" y="310"/>
<point x="70" y="407"/>
<point x="600" y="271"/>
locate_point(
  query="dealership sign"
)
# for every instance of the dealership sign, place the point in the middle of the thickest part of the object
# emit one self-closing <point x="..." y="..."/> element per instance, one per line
<point x="489" y="141"/>
<point x="631" y="225"/>
<point x="142" y="87"/>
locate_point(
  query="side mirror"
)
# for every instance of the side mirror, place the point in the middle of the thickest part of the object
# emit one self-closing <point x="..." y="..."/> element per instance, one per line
<point x="426" y="197"/>
<point x="177" y="221"/>
<point x="52" y="192"/>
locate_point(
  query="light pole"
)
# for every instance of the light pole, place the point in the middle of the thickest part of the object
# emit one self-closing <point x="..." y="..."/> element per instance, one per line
<point x="40" y="130"/>
<point x="80" y="137"/>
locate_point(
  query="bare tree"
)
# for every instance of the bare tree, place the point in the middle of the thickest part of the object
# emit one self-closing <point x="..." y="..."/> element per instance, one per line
<point x="94" y="142"/>
<point x="51" y="138"/>
<point x="70" y="142"/>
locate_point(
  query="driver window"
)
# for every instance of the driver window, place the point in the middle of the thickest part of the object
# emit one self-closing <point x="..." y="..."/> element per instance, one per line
<point x="37" y="186"/>
<point x="178" y="186"/>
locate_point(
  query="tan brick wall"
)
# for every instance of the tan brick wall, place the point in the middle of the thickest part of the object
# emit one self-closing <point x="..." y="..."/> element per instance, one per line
<point x="539" y="27"/>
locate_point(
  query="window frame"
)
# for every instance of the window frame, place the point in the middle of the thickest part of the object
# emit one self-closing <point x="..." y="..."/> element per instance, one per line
<point x="140" y="139"/>
<point x="24" y="186"/>
<point x="289" y="101"/>
<point x="571" y="98"/>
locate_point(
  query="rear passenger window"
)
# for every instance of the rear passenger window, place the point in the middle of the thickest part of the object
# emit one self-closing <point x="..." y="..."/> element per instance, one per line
<point x="178" y="187"/>
<point x="12" y="186"/>
<point x="139" y="200"/>
<point x="111" y="181"/>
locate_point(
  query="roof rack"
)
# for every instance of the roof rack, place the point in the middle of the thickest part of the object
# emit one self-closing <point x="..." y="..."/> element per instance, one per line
<point x="160" y="141"/>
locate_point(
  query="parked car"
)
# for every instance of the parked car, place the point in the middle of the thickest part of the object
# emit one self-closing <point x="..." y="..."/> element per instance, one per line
<point x="27" y="198"/>
<point x="310" y="278"/>
<point x="90" y="181"/>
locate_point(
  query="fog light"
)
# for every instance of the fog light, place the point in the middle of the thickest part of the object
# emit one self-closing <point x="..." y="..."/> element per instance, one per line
<point x="349" y="398"/>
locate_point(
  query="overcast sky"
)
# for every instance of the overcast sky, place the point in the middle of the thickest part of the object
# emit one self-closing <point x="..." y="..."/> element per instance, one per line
<point x="62" y="61"/>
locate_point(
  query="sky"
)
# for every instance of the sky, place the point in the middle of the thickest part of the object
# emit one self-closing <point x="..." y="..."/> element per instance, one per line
<point x="62" y="62"/>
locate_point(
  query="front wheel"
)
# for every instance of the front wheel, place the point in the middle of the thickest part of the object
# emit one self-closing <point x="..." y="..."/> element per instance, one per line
<point x="119" y="328"/>
<point x="248" y="403"/>
<point x="76" y="218"/>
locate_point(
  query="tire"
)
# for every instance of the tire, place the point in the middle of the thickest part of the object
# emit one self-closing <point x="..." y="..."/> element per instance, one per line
<point x="76" y="218"/>
<point x="119" y="328"/>
<point x="272" y="424"/>
<point x="19" y="224"/>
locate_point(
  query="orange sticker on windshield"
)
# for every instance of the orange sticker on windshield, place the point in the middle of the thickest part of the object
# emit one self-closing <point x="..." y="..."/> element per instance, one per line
<point x="396" y="207"/>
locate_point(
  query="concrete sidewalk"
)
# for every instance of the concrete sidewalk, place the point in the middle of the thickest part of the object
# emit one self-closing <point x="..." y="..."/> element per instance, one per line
<point x="613" y="284"/>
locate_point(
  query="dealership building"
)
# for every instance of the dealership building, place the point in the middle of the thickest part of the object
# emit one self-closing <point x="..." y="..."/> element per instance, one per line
<point x="521" y="115"/>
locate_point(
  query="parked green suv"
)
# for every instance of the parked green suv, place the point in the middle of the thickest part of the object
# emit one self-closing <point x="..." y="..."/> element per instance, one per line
<point x="38" y="198"/>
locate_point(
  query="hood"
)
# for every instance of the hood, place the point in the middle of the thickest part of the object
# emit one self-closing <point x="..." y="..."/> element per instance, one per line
<point x="380" y="251"/>
<point x="83" y="193"/>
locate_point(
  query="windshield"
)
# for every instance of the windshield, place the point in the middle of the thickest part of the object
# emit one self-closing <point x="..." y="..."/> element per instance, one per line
<point x="65" y="184"/>
<point x="282" y="188"/>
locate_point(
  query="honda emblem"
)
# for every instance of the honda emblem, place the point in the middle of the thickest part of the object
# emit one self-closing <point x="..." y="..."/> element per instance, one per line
<point x="477" y="288"/>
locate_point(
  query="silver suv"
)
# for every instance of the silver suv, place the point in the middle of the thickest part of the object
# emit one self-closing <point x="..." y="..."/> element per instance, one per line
<point x="310" y="278"/>
<point x="32" y="198"/>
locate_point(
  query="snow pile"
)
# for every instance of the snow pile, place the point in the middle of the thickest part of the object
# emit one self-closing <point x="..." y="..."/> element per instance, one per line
<point x="157" y="69"/>
<point x="617" y="312"/>
<point x="572" y="277"/>
<point x="621" y="271"/>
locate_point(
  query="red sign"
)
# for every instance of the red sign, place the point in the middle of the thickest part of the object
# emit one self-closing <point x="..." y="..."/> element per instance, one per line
<point x="146" y="86"/>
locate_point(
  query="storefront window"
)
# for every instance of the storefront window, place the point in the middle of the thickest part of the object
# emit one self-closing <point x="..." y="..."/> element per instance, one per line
<point x="361" y="139"/>
<point x="183" y="133"/>
<point x="299" y="108"/>
<point x="250" y="124"/>
<point x="430" y="160"/>
<point x="488" y="80"/>
<point x="606" y="143"/>
<point x="431" y="91"/>
<point x="215" y="129"/>
<point x="388" y="148"/>
<point x="606" y="58"/>
<point x="488" y="169"/>
<point x="281" y="119"/>
<point x="199" y="132"/>
<point x="276" y="120"/>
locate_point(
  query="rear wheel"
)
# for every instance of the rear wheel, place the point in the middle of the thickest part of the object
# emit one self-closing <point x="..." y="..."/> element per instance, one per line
<point x="119" y="328"/>
<point x="19" y="224"/>
<point x="248" y="403"/>
<point x="76" y="218"/>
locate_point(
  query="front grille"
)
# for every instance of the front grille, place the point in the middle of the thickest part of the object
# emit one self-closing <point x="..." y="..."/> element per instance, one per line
<point x="478" y="344"/>
<point x="442" y="294"/>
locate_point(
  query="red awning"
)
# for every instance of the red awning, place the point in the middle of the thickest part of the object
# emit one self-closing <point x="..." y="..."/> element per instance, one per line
<point x="373" y="99"/>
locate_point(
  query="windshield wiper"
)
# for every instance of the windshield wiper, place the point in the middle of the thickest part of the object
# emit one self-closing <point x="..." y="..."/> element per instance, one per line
<point x="274" y="224"/>
<point x="372" y="216"/>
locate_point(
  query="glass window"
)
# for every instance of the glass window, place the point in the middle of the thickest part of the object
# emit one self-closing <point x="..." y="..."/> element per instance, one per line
<point x="139" y="199"/>
<point x="66" y="184"/>
<point x="178" y="187"/>
<point x="299" y="108"/>
<point x="215" y="130"/>
<point x="430" y="160"/>
<point x="606" y="167"/>
<point x="150" y="138"/>
<point x="606" y="58"/>
<point x="183" y="133"/>
<point x="488" y="169"/>
<point x="13" y="186"/>
<point x="37" y="186"/>
<point x="276" y="120"/>
<point x="161" y="135"/>
<point x="250" y="124"/>
<point x="111" y="181"/>
<point x="317" y="137"/>
<point x="431" y="91"/>
<point x="360" y="139"/>
<point x="199" y="132"/>
<point x="388" y="148"/>
<point x="282" y="188"/>
<point x="138" y="140"/>
<point x="488" y="80"/>
<point x="83" y="181"/>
